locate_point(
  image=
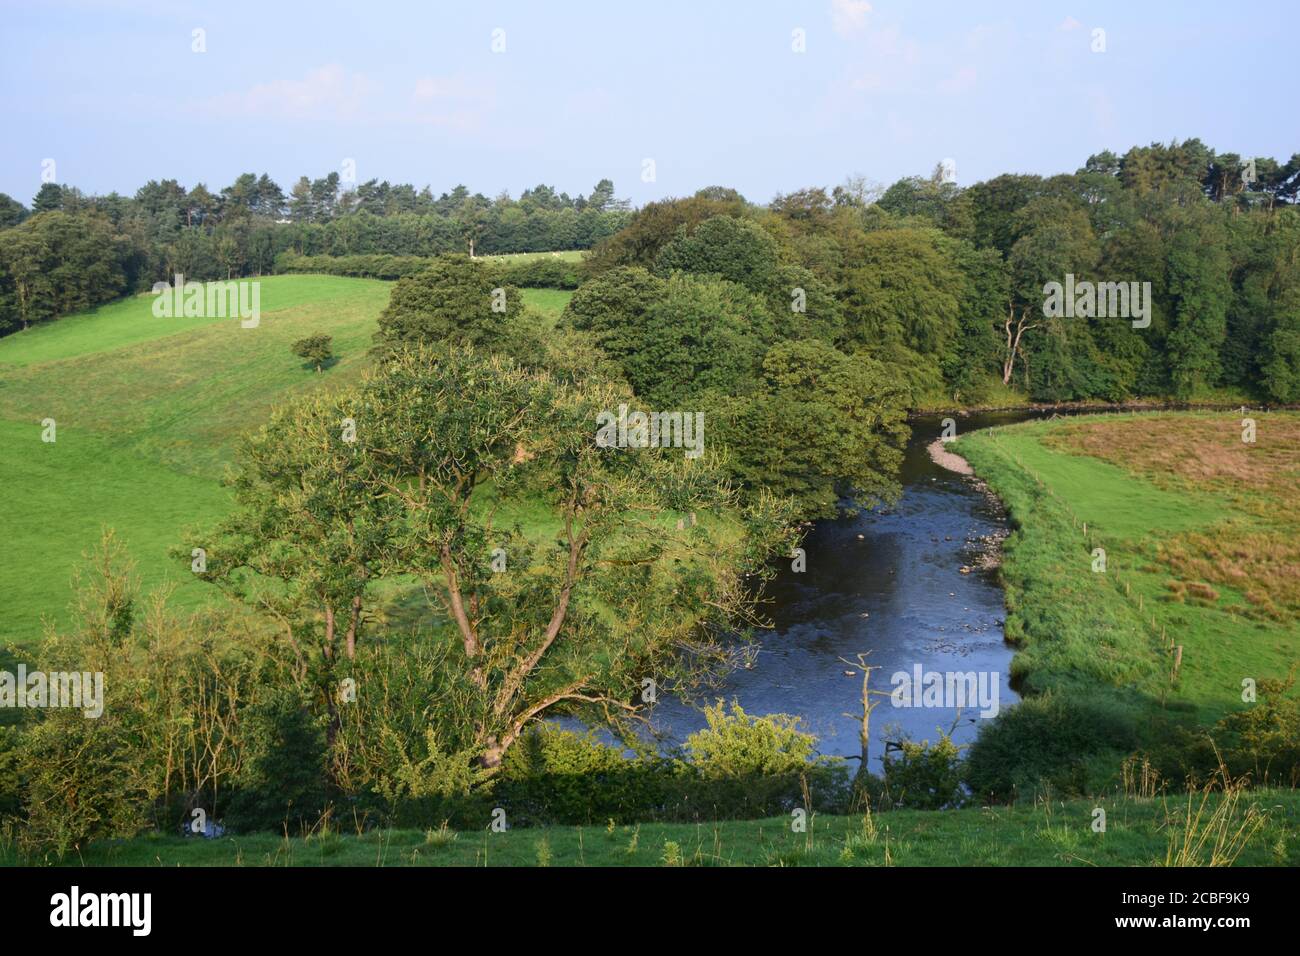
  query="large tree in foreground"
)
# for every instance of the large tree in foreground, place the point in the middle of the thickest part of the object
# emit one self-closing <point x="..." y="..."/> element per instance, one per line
<point x="563" y="572"/>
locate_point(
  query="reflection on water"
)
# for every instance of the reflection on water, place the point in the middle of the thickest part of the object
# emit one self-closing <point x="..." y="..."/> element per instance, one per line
<point x="887" y="582"/>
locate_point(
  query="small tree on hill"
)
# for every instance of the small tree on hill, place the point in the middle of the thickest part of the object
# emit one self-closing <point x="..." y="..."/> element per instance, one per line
<point x="316" y="349"/>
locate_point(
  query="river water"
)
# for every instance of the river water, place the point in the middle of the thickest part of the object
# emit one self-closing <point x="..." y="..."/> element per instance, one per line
<point x="889" y="582"/>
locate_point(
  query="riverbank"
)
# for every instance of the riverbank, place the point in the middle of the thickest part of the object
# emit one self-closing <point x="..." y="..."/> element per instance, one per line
<point x="941" y="456"/>
<point x="1021" y="404"/>
<point x="1149" y="581"/>
<point x="1139" y="832"/>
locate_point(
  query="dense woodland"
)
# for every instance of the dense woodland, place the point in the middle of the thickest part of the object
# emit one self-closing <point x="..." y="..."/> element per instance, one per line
<point x="942" y="284"/>
<point x="71" y="252"/>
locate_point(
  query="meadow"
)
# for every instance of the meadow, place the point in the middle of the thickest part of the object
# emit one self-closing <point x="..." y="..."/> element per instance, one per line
<point x="147" y="416"/>
<point x="1155" y="554"/>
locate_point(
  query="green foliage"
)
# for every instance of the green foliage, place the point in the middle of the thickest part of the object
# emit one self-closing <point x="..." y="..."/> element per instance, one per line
<point x="611" y="305"/>
<point x="169" y="737"/>
<point x="1048" y="742"/>
<point x="735" y="249"/>
<point x="924" y="776"/>
<point x="820" y="428"/>
<point x="316" y="349"/>
<point x="281" y="778"/>
<point x="702" y="334"/>
<point x="819" y="315"/>
<point x="654" y="226"/>
<point x="561" y="776"/>
<point x="54" y="263"/>
<point x="457" y="301"/>
<point x="1260" y="743"/>
<point x="903" y="297"/>
<point x="551" y="271"/>
<point x="1199" y="289"/>
<point x="450" y="447"/>
<point x="736" y="745"/>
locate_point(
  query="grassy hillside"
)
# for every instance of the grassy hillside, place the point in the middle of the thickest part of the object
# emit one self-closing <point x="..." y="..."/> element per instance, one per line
<point x="1138" y="833"/>
<point x="147" y="413"/>
<point x="1200" y="541"/>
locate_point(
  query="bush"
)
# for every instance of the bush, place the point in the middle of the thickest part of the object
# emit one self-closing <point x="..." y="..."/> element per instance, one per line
<point x="540" y="272"/>
<point x="1048" y="741"/>
<point x="281" y="780"/>
<point x="84" y="781"/>
<point x="757" y="766"/>
<point x="1260" y="743"/>
<point x="558" y="776"/>
<point x="533" y="273"/>
<point x="924" y="777"/>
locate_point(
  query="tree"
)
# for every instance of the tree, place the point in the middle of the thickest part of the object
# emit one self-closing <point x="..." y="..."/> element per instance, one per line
<point x="732" y="248"/>
<point x="307" y="536"/>
<point x="315" y="349"/>
<point x="12" y="212"/>
<point x="49" y="198"/>
<point x="1055" y="239"/>
<point x="655" y="225"/>
<point x="1199" y="289"/>
<point x="457" y="301"/>
<point x="57" y="263"/>
<point x="902" y="303"/>
<point x="944" y="204"/>
<point x="701" y="334"/>
<point x="995" y="205"/>
<point x="301" y="204"/>
<point x="614" y="585"/>
<point x="611" y="302"/>
<point x="822" y="428"/>
<point x="471" y="220"/>
<point x="981" y="311"/>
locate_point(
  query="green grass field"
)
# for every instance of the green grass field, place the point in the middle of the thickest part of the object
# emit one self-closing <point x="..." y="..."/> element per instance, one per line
<point x="1193" y="523"/>
<point x="147" y="413"/>
<point x="549" y="303"/>
<point x="1138" y="833"/>
<point x="569" y="255"/>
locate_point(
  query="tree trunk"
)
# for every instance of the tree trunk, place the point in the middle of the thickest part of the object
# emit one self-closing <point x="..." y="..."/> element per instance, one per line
<point x="351" y="639"/>
<point x="329" y="632"/>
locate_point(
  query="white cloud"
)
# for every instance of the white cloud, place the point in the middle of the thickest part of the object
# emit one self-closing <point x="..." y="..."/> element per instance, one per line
<point x="1069" y="23"/>
<point x="849" y="16"/>
<point x="329" y="92"/>
<point x="332" y="93"/>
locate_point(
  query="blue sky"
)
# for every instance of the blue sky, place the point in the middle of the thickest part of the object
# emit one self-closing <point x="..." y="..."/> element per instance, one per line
<point x="711" y="91"/>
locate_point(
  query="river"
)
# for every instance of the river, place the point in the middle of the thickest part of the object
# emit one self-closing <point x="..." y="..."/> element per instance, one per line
<point x="889" y="582"/>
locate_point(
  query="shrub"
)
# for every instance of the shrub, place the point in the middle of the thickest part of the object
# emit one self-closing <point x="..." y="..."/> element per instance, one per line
<point x="282" y="776"/>
<point x="924" y="777"/>
<point x="558" y="776"/>
<point x="761" y="765"/>
<point x="1050" y="741"/>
